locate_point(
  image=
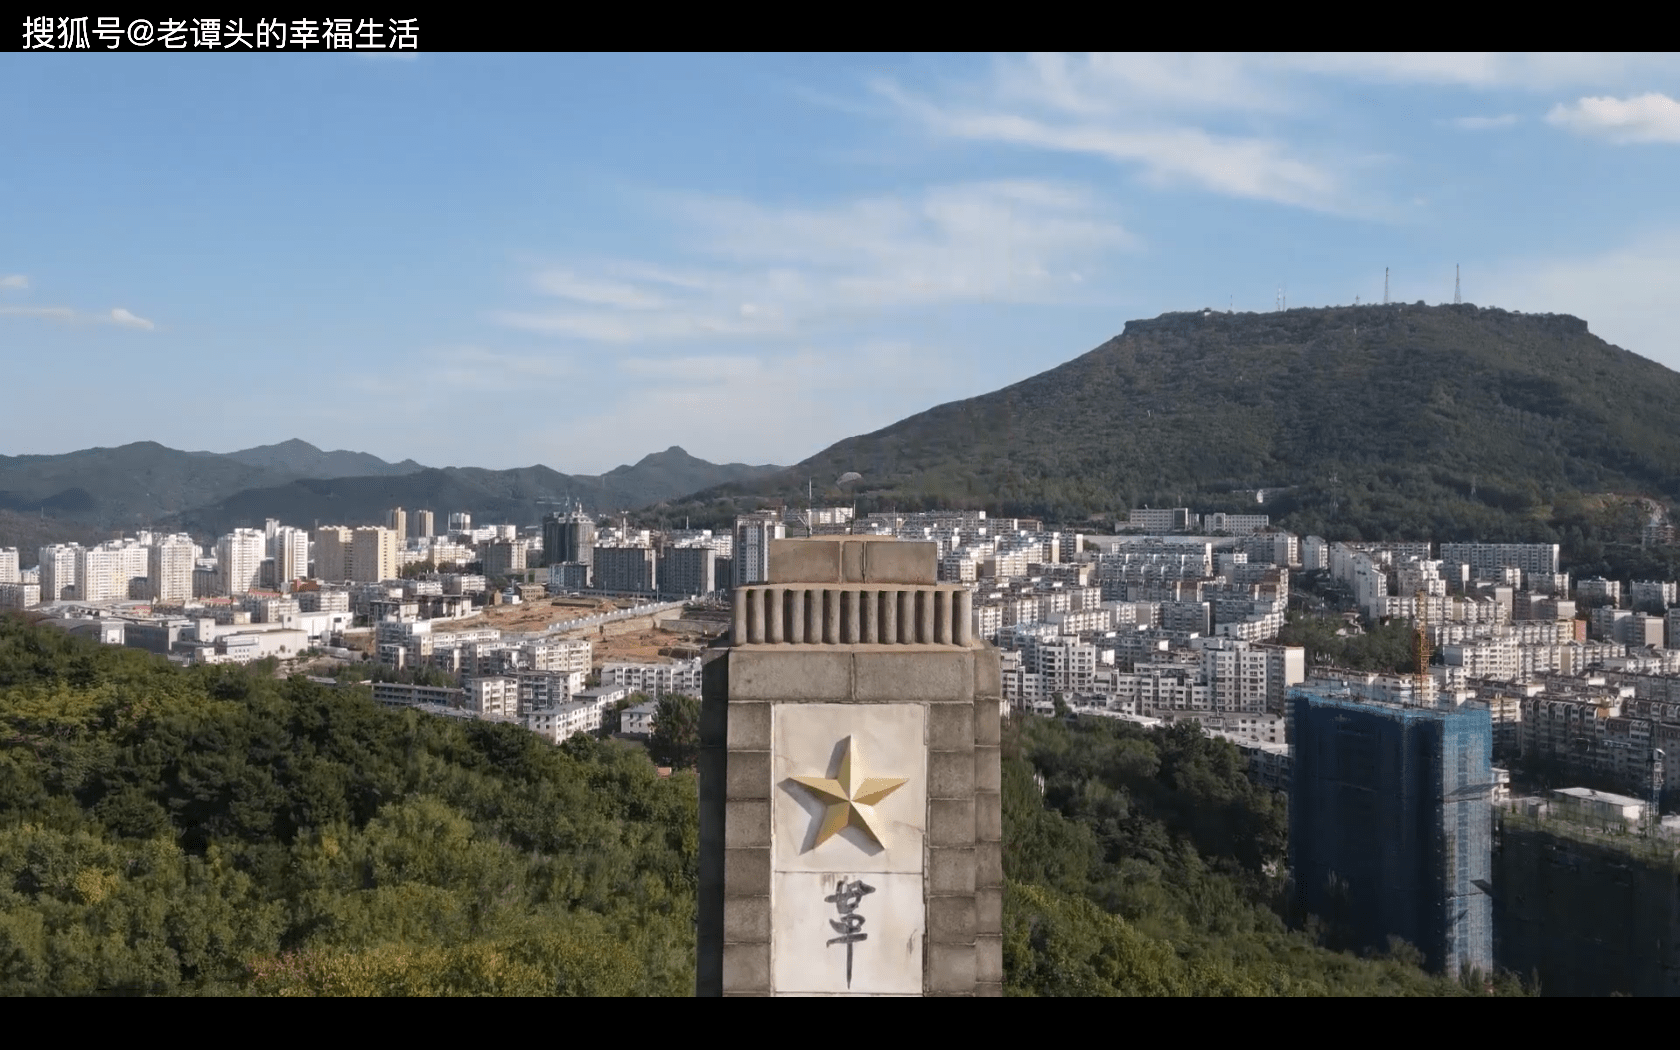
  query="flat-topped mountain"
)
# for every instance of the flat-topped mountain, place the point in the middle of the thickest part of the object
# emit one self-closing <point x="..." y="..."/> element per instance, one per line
<point x="1400" y="419"/>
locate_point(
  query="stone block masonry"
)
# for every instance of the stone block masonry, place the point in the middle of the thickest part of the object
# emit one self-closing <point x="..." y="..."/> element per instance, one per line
<point x="851" y="831"/>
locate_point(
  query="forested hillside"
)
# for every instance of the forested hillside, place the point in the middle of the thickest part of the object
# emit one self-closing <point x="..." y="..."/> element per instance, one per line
<point x="218" y="831"/>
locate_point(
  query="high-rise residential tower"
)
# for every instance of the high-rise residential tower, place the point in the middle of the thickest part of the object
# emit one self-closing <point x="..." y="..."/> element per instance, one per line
<point x="1391" y="825"/>
<point x="239" y="558"/>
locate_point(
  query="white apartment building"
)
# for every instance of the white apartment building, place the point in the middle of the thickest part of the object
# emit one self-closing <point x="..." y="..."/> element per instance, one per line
<point x="1255" y="629"/>
<point x="957" y="568"/>
<point x="1370" y="586"/>
<point x="239" y="558"/>
<point x="1169" y="519"/>
<point x="1236" y="524"/>
<point x="400" y="694"/>
<point x="1639" y="630"/>
<point x="753" y="533"/>
<point x="1159" y="690"/>
<point x="540" y="689"/>
<point x="100" y="574"/>
<point x="638" y="720"/>
<point x="1005" y="564"/>
<point x="169" y="569"/>
<point x="559" y="655"/>
<point x="1603" y="623"/>
<point x="493" y="697"/>
<point x="1486" y="560"/>
<point x="561" y="723"/>
<point x="19" y="595"/>
<point x="1245" y="729"/>
<point x="58" y="572"/>
<point x="1064" y="664"/>
<point x="1081" y="621"/>
<point x="1415" y="575"/>
<point x="290" y="551"/>
<point x="1660" y="593"/>
<point x="1236" y="675"/>
<point x="1596" y="590"/>
<point x="9" y="565"/>
<point x="373" y="554"/>
<point x="1495" y="659"/>
<point x="656" y="680"/>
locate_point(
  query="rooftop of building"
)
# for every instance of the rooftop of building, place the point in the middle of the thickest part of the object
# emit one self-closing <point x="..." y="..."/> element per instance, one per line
<point x="1390" y="708"/>
<point x="1594" y="795"/>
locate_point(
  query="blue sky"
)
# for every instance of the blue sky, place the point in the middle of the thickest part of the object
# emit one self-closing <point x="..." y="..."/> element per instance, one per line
<point x="505" y="260"/>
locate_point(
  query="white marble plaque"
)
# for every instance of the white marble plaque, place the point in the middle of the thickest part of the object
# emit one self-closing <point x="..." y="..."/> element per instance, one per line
<point x="848" y="820"/>
<point x="873" y="822"/>
<point x="847" y="933"/>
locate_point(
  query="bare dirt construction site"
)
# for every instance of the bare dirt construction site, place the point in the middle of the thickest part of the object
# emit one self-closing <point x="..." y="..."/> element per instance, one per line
<point x="531" y="617"/>
<point x="646" y="645"/>
<point x="641" y="639"/>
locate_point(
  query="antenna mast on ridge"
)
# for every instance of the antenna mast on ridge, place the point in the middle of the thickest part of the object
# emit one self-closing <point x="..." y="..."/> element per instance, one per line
<point x="1458" y="288"/>
<point x="1385" y="286"/>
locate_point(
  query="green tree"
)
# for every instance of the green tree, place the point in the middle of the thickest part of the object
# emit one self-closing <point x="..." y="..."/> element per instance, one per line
<point x="215" y="830"/>
<point x="676" y="731"/>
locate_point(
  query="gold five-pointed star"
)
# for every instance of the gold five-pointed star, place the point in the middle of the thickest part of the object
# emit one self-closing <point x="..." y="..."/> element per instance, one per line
<point x="851" y="797"/>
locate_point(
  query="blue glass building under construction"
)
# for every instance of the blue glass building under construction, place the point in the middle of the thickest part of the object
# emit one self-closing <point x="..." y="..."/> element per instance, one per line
<point x="1391" y="825"/>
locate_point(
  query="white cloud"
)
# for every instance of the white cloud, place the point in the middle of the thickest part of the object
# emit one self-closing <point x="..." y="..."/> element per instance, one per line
<point x="128" y="320"/>
<point x="1106" y="83"/>
<point x="1625" y="295"/>
<point x="1485" y="123"/>
<point x="1647" y="118"/>
<point x="780" y="271"/>
<point x="118" y="316"/>
<point x="1196" y="119"/>
<point x="56" y="313"/>
<point x="1089" y="109"/>
<point x="1477" y="69"/>
<point x="564" y="284"/>
<point x="13" y="281"/>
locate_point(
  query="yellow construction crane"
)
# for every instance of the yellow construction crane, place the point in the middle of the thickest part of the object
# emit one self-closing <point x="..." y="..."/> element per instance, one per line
<point x="1420" y="644"/>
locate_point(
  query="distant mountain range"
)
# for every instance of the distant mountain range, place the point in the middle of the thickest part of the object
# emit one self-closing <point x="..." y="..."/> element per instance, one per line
<point x="147" y="484"/>
<point x="301" y="459"/>
<point x="520" y="496"/>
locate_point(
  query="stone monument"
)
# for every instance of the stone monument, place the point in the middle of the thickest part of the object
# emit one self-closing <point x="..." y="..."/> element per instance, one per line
<point x="850" y="818"/>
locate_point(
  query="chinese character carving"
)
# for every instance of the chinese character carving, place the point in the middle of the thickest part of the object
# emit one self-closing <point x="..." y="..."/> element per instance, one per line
<point x="846" y="897"/>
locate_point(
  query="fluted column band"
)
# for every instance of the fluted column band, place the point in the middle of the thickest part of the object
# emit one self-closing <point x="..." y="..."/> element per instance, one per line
<point x="854" y="615"/>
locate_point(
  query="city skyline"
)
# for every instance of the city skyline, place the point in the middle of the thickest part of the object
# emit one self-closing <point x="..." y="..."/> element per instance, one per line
<point x="491" y="233"/>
